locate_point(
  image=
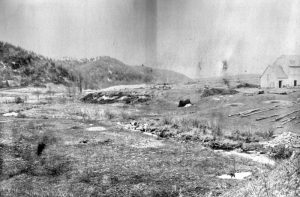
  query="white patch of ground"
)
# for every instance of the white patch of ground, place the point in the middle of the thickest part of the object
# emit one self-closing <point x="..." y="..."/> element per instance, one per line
<point x="239" y="175"/>
<point x="96" y="128"/>
<point x="10" y="114"/>
<point x="254" y="157"/>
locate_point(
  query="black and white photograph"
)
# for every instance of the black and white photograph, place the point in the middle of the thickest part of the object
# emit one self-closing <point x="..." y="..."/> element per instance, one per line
<point x="150" y="98"/>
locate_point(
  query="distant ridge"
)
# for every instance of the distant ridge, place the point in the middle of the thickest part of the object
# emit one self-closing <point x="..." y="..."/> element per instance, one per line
<point x="28" y="68"/>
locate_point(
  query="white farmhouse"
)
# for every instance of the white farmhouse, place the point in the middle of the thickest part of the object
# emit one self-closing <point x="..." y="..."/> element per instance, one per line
<point x="285" y="72"/>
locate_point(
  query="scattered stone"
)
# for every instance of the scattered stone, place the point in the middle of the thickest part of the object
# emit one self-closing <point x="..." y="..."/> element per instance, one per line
<point x="11" y="114"/>
<point x="183" y="103"/>
<point x="287" y="139"/>
<point x="188" y="105"/>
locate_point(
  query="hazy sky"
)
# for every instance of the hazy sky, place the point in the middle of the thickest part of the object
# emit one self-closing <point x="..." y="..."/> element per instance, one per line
<point x="174" y="34"/>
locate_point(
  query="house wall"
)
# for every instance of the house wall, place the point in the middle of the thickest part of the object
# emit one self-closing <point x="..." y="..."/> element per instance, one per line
<point x="267" y="80"/>
<point x="290" y="81"/>
<point x="270" y="80"/>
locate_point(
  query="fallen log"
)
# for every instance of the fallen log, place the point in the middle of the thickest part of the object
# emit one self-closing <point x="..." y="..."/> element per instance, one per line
<point x="289" y="120"/>
<point x="244" y="112"/>
<point x="281" y="117"/>
<point x="249" y="111"/>
<point x="236" y="114"/>
<point x="266" y="117"/>
<point x="257" y="112"/>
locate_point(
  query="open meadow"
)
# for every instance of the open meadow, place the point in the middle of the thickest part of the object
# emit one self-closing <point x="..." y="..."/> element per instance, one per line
<point x="136" y="141"/>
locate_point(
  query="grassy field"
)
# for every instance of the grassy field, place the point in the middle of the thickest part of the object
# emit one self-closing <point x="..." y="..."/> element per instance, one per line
<point x="59" y="146"/>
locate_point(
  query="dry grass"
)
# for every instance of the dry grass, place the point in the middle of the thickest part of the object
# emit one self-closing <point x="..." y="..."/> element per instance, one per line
<point x="116" y="170"/>
<point x="110" y="163"/>
<point x="284" y="180"/>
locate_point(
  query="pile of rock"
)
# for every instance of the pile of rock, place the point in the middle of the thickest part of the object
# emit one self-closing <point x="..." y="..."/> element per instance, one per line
<point x="137" y="126"/>
<point x="217" y="91"/>
<point x="287" y="139"/>
<point x="108" y="97"/>
<point x="149" y="129"/>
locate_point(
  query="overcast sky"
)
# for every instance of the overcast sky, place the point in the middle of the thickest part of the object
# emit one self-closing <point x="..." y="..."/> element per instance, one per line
<point x="174" y="34"/>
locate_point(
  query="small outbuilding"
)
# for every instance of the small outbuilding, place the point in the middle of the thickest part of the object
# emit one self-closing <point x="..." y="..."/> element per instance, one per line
<point x="285" y="72"/>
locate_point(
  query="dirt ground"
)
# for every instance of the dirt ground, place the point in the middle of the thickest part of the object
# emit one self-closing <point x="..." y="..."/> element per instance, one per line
<point x="57" y="145"/>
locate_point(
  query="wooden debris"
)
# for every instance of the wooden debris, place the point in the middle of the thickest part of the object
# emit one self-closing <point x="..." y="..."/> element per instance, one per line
<point x="289" y="120"/>
<point x="281" y="117"/>
<point x="261" y="111"/>
<point x="236" y="114"/>
<point x="253" y="111"/>
<point x="266" y="117"/>
<point x="244" y="112"/>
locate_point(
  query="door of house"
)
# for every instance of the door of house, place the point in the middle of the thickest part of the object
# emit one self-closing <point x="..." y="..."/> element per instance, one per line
<point x="295" y="82"/>
<point x="280" y="84"/>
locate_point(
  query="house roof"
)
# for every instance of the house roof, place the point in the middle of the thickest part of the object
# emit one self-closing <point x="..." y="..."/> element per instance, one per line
<point x="277" y="70"/>
<point x="288" y="61"/>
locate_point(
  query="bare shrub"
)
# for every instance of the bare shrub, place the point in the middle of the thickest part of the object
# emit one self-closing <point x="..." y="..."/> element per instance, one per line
<point x="280" y="152"/>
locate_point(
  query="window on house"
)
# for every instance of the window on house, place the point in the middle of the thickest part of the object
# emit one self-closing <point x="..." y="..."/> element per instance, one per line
<point x="280" y="84"/>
